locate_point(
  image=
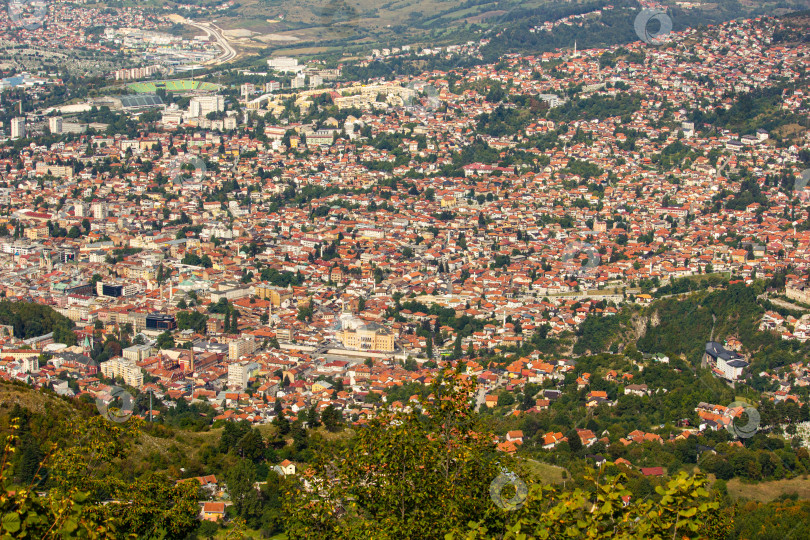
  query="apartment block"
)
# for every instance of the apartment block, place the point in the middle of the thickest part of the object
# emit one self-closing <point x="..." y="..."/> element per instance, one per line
<point x="124" y="368"/>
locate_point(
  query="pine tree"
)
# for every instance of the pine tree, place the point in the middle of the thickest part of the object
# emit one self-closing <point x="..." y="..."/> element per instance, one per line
<point x="251" y="446"/>
<point x="574" y="442"/>
<point x="331" y="418"/>
<point x="30" y="458"/>
<point x="282" y="424"/>
<point x="241" y="480"/>
<point x="313" y="417"/>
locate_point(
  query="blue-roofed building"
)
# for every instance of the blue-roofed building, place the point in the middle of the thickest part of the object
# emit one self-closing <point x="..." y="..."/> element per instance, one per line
<point x="23" y="79"/>
<point x="11" y="82"/>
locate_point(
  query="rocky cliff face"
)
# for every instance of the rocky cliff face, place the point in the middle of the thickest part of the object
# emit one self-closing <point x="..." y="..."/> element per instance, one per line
<point x="640" y="321"/>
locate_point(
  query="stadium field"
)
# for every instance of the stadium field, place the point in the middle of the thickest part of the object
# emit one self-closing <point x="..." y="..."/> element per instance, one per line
<point x="175" y="85"/>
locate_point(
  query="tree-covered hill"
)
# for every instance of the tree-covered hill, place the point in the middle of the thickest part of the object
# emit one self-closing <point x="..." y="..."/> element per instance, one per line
<point x="32" y="320"/>
<point x="77" y="459"/>
<point x="683" y="325"/>
<point x="680" y="325"/>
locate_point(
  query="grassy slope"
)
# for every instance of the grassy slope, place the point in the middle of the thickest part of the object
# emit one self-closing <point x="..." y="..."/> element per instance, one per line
<point x="32" y="400"/>
<point x="185" y="443"/>
<point x="543" y="472"/>
<point x="767" y="491"/>
<point x="351" y="22"/>
<point x="347" y="27"/>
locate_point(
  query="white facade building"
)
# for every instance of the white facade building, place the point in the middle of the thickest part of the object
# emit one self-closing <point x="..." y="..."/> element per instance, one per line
<point x="239" y="373"/>
<point x="200" y="106"/>
<point x="18" y="128"/>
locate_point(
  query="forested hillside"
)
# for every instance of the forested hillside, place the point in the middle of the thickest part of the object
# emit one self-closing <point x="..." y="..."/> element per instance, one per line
<point x="31" y="320"/>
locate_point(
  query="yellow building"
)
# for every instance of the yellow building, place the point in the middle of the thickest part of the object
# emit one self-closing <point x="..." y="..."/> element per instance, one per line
<point x="213" y="511"/>
<point x="275" y="295"/>
<point x="35" y="233"/>
<point x="136" y="271"/>
<point x="449" y="202"/>
<point x="368" y="337"/>
<point x="320" y="386"/>
<point x="148" y="144"/>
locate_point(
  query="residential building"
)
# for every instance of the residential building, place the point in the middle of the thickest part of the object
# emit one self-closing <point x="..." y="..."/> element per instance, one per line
<point x="727" y="364"/>
<point x="18" y="128"/>
<point x="239" y="373"/>
<point x="240" y="347"/>
<point x="125" y="368"/>
<point x="55" y="125"/>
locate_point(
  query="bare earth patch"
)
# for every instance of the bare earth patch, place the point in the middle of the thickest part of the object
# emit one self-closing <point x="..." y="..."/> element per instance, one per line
<point x="238" y="32"/>
<point x="267" y="38"/>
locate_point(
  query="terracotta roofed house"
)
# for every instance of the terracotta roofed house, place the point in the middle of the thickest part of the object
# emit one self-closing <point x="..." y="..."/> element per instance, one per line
<point x="213" y="511"/>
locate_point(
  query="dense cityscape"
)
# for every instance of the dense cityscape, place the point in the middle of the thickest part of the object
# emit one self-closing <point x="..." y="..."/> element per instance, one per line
<point x="605" y="250"/>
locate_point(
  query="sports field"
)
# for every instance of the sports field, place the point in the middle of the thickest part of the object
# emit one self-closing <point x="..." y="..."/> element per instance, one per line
<point x="175" y="85"/>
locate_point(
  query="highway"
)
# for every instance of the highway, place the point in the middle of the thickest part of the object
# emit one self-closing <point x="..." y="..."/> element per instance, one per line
<point x="228" y="52"/>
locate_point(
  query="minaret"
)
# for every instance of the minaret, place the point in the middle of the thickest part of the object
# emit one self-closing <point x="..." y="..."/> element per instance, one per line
<point x="575" y="49"/>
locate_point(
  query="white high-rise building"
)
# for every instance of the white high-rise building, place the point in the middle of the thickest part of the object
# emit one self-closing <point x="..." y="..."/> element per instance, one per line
<point x="99" y="210"/>
<point x="299" y="81"/>
<point x="55" y="124"/>
<point x="30" y="365"/>
<point x="80" y="209"/>
<point x="241" y="347"/>
<point x="239" y="373"/>
<point x="18" y="128"/>
<point x="247" y="90"/>
<point x="200" y="106"/>
<point x="124" y="368"/>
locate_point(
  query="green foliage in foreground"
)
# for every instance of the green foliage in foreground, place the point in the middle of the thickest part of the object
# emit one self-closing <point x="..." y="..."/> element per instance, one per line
<point x="783" y="518"/>
<point x="601" y="512"/>
<point x="431" y="474"/>
<point x="86" y="500"/>
<point x="407" y="475"/>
